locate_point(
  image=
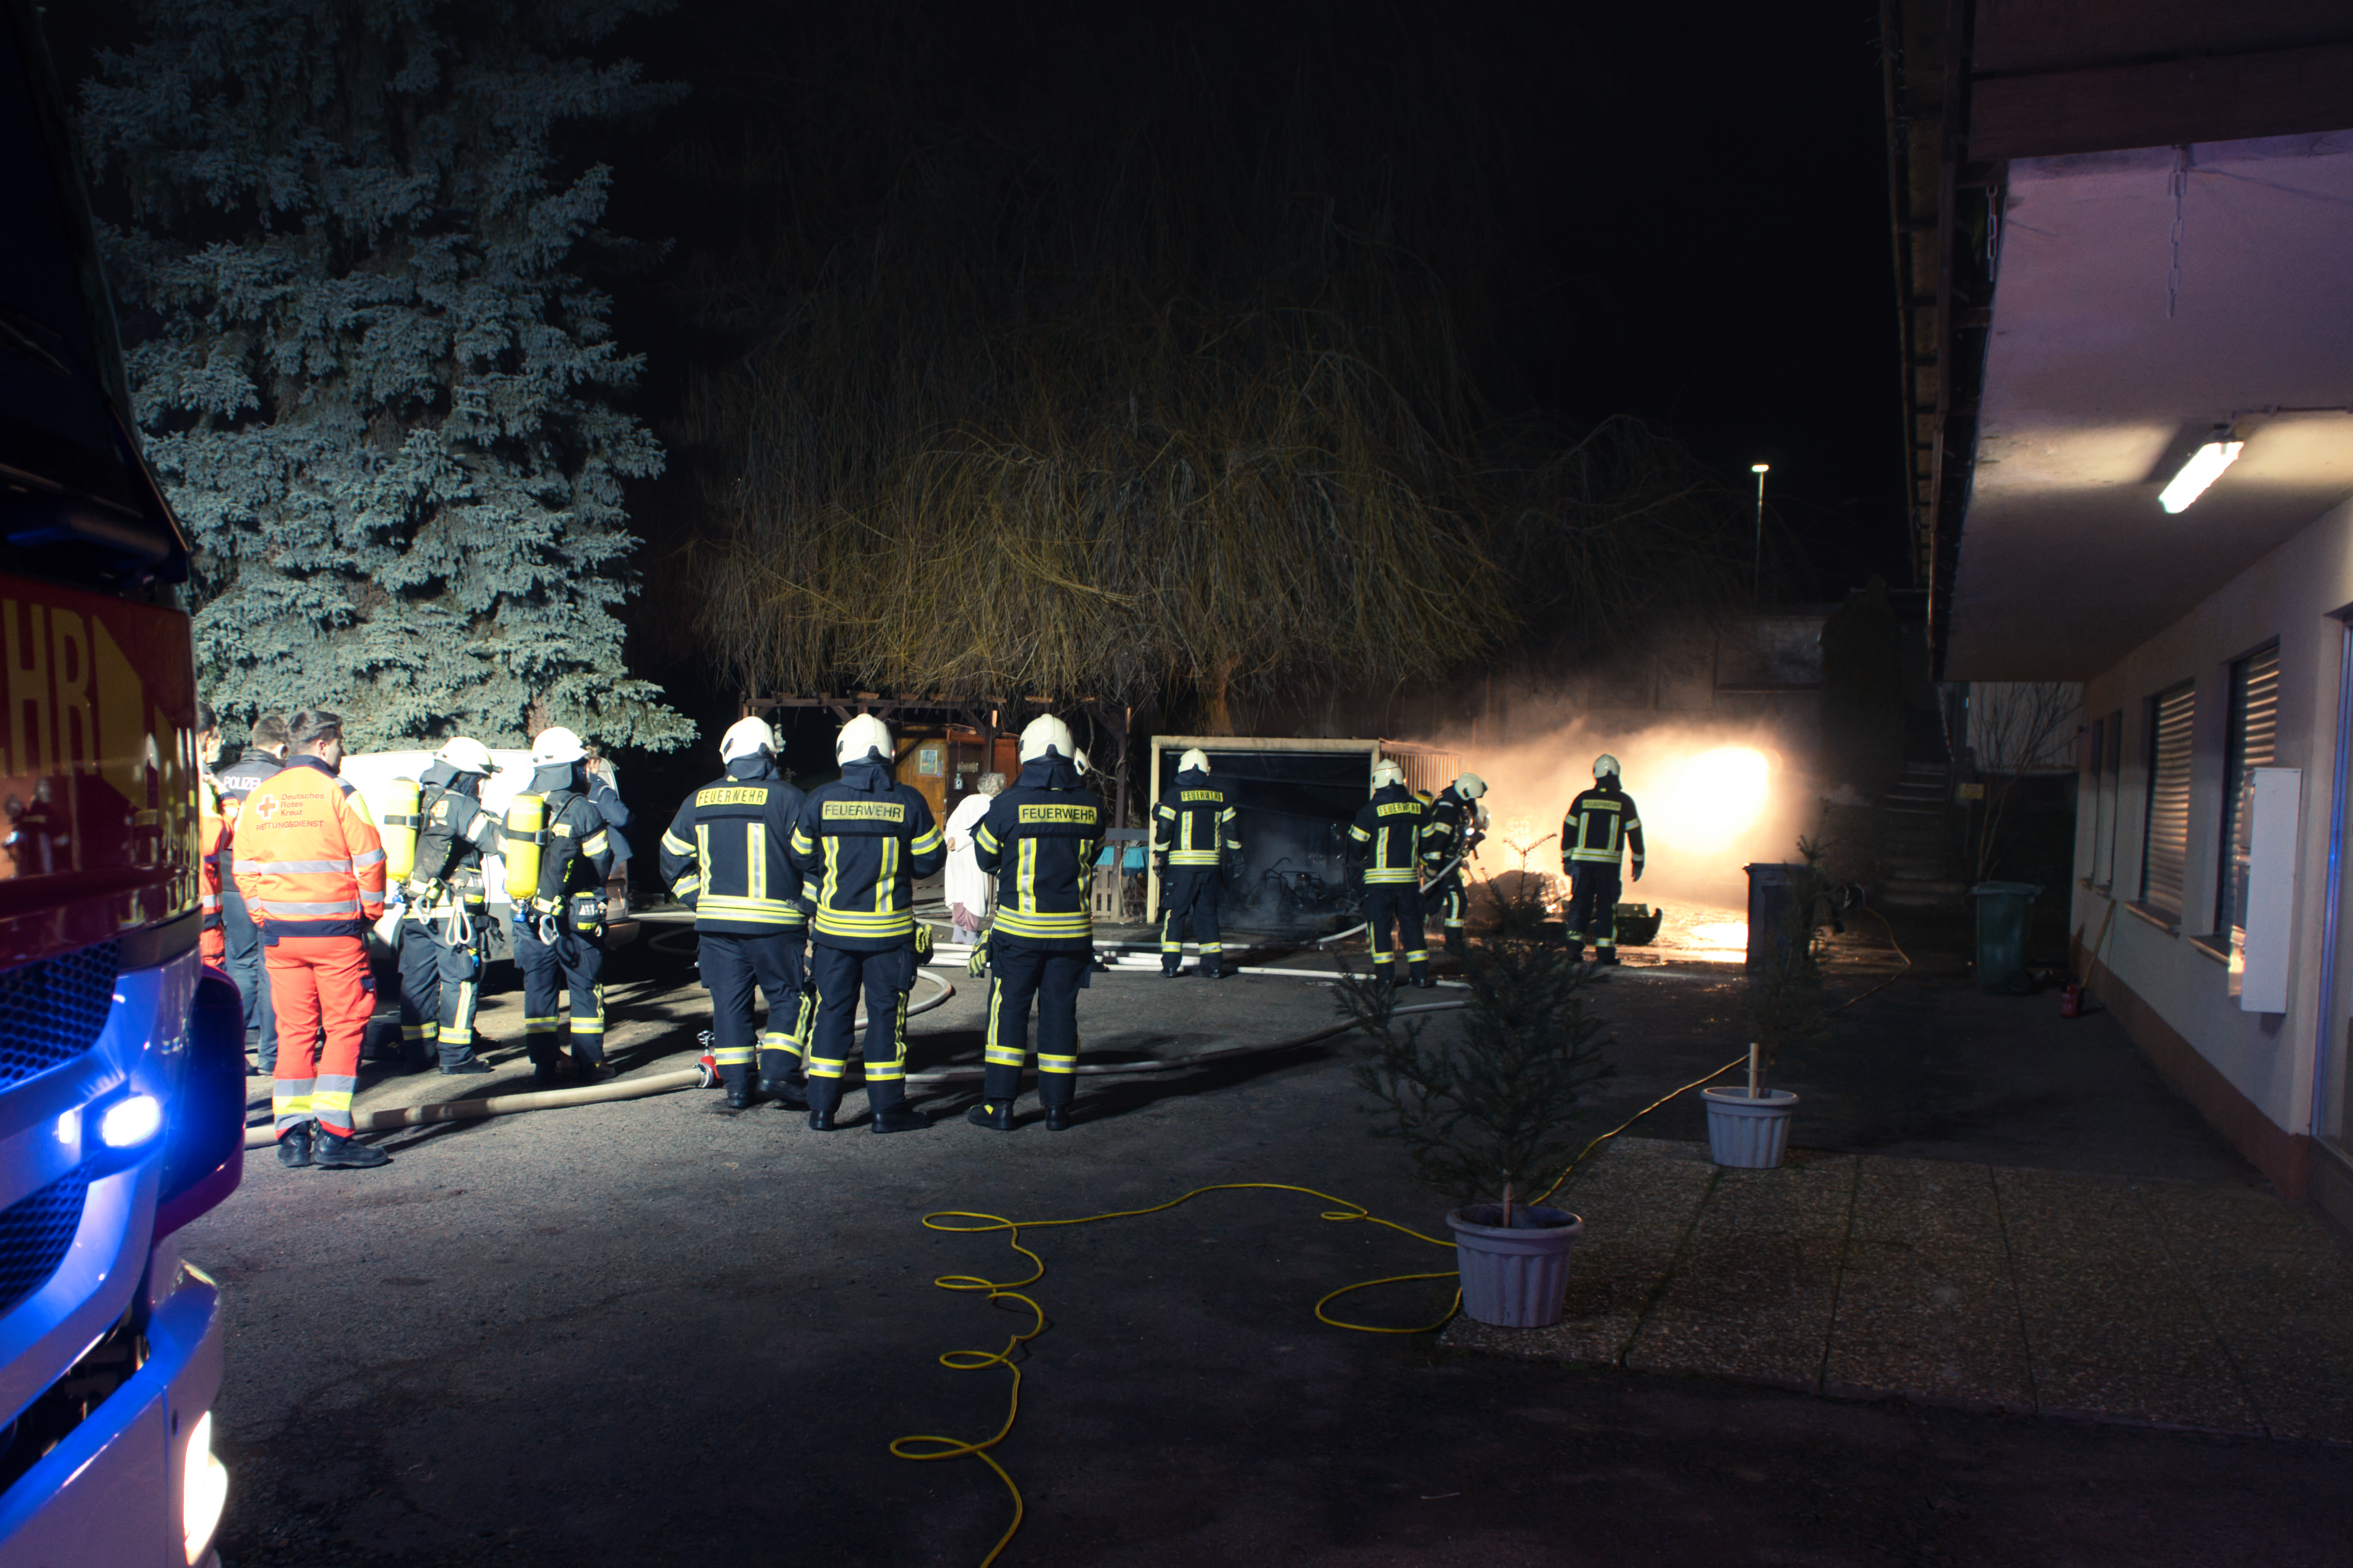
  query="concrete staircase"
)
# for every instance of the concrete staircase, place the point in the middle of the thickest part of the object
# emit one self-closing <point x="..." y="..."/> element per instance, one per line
<point x="1915" y="821"/>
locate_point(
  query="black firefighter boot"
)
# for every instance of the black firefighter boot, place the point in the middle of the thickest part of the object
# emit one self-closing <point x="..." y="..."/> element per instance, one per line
<point x="739" y="1089"/>
<point x="899" y="1117"/>
<point x="997" y="1115"/>
<point x="1058" y="1118"/>
<point x="790" y="1089"/>
<point x="294" y="1146"/>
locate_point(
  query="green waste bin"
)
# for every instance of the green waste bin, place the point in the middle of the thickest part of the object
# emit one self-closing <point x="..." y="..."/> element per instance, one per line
<point x="2001" y="935"/>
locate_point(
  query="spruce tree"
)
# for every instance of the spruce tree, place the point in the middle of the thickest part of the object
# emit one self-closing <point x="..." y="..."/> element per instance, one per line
<point x="379" y="390"/>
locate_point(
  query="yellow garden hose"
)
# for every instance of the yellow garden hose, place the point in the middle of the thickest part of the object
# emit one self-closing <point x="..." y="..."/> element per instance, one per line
<point x="925" y="1446"/>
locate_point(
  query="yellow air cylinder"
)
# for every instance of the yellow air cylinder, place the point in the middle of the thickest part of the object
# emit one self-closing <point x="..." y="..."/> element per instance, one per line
<point x="398" y="829"/>
<point x="526" y="831"/>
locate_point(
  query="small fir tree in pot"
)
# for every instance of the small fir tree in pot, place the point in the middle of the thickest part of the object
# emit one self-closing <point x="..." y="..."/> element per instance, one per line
<point x="1487" y="1116"/>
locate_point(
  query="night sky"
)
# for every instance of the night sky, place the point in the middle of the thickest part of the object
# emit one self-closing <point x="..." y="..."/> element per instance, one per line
<point x="1690" y="209"/>
<point x="1691" y="214"/>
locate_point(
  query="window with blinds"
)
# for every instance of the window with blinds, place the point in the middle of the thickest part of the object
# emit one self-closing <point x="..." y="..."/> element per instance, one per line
<point x="2246" y="746"/>
<point x="2107" y="772"/>
<point x="2165" y="843"/>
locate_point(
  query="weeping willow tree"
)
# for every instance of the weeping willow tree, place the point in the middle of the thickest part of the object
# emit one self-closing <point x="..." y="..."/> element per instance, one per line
<point x="1162" y="396"/>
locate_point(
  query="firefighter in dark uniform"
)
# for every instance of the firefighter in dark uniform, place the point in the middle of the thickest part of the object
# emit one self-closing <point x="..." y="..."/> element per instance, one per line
<point x="445" y="925"/>
<point x="1601" y="822"/>
<point x="1457" y="824"/>
<point x="559" y="939"/>
<point x="862" y="841"/>
<point x="728" y="857"/>
<point x="264" y="755"/>
<point x="1193" y="840"/>
<point x="1387" y="843"/>
<point x="1040" y="838"/>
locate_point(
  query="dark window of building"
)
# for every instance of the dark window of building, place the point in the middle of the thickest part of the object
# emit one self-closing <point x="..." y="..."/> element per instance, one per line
<point x="2246" y="746"/>
<point x="2165" y="841"/>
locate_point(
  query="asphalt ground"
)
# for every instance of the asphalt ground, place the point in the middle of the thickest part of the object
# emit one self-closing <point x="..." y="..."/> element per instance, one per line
<point x="660" y="1332"/>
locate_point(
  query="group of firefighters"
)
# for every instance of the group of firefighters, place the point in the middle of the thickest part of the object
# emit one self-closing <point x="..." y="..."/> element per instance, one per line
<point x="807" y="898"/>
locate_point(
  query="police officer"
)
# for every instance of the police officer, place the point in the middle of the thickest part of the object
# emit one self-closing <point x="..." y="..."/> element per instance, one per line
<point x="862" y="840"/>
<point x="1193" y="835"/>
<point x="1457" y="824"/>
<point x="1040" y="838"/>
<point x="1601" y="822"/>
<point x="728" y="857"/>
<point x="559" y="937"/>
<point x="445" y="928"/>
<point x="264" y="755"/>
<point x="1386" y="836"/>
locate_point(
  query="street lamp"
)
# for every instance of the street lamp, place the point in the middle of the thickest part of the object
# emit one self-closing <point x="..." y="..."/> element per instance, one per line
<point x="1757" y="583"/>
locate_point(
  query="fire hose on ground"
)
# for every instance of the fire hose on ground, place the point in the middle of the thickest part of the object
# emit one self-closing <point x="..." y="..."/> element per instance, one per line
<point x="395" y="1118"/>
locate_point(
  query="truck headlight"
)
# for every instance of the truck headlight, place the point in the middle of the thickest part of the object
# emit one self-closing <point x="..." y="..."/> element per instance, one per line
<point x="130" y="1121"/>
<point x="204" y="1489"/>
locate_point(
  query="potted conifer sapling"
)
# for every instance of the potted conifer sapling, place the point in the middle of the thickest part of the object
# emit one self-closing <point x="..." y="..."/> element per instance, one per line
<point x="1486" y="1111"/>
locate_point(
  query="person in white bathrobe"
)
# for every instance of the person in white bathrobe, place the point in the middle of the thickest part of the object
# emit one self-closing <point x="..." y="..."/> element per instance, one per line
<point x="967" y="884"/>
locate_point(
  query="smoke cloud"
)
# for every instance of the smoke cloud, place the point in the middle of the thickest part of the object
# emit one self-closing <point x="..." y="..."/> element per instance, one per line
<point x="1714" y="794"/>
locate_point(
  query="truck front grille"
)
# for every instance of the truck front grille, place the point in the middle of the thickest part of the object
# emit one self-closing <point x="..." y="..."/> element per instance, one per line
<point x="52" y="1011"/>
<point x="36" y="1232"/>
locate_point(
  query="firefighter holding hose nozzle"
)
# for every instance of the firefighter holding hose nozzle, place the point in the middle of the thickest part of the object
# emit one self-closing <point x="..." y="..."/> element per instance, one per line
<point x="1386" y="836"/>
<point x="1456" y="823"/>
<point x="1601" y="822"/>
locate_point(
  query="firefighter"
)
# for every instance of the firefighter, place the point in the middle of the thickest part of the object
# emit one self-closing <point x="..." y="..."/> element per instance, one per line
<point x="1386" y="839"/>
<point x="1040" y="838"/>
<point x="445" y="928"/>
<point x="863" y="840"/>
<point x="1457" y="824"/>
<point x="1600" y="822"/>
<point x="1193" y="840"/>
<point x="728" y="857"/>
<point x="212" y="838"/>
<point x="559" y="935"/>
<point x="264" y="755"/>
<point x="309" y="865"/>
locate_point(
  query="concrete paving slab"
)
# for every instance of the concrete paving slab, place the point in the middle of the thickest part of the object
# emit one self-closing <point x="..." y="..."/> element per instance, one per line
<point x="2069" y="1213"/>
<point x="1927" y="1202"/>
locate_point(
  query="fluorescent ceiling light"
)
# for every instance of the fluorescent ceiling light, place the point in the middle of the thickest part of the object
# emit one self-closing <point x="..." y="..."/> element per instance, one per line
<point x="2204" y="467"/>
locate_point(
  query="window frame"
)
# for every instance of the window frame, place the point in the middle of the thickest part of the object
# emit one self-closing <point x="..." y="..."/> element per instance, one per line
<point x="2182" y="774"/>
<point x="2238" y="782"/>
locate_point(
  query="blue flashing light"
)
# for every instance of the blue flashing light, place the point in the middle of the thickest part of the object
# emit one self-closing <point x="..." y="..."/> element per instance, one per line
<point x="132" y="1122"/>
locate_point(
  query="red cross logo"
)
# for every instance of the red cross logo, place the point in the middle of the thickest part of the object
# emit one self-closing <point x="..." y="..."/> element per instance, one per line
<point x="267" y="808"/>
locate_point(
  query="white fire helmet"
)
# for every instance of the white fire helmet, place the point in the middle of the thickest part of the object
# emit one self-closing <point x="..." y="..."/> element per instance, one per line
<point x="1469" y="786"/>
<point x="1195" y="758"/>
<point x="1047" y="733"/>
<point x="556" y="745"/>
<point x="1386" y="772"/>
<point x="862" y="734"/>
<point x="466" y="755"/>
<point x="746" y="738"/>
<point x="1605" y="766"/>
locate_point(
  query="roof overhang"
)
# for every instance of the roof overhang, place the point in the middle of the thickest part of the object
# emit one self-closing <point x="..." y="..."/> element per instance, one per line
<point x="2104" y="369"/>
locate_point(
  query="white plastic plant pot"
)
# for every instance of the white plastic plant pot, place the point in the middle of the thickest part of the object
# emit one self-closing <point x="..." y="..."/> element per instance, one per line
<point x="1514" y="1279"/>
<point x="1748" y="1134"/>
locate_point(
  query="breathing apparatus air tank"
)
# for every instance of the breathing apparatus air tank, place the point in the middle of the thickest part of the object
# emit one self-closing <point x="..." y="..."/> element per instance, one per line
<point x="524" y="831"/>
<point x="398" y="829"/>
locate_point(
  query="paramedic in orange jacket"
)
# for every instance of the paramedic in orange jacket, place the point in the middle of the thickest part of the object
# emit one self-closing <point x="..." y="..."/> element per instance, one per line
<point x="311" y="866"/>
